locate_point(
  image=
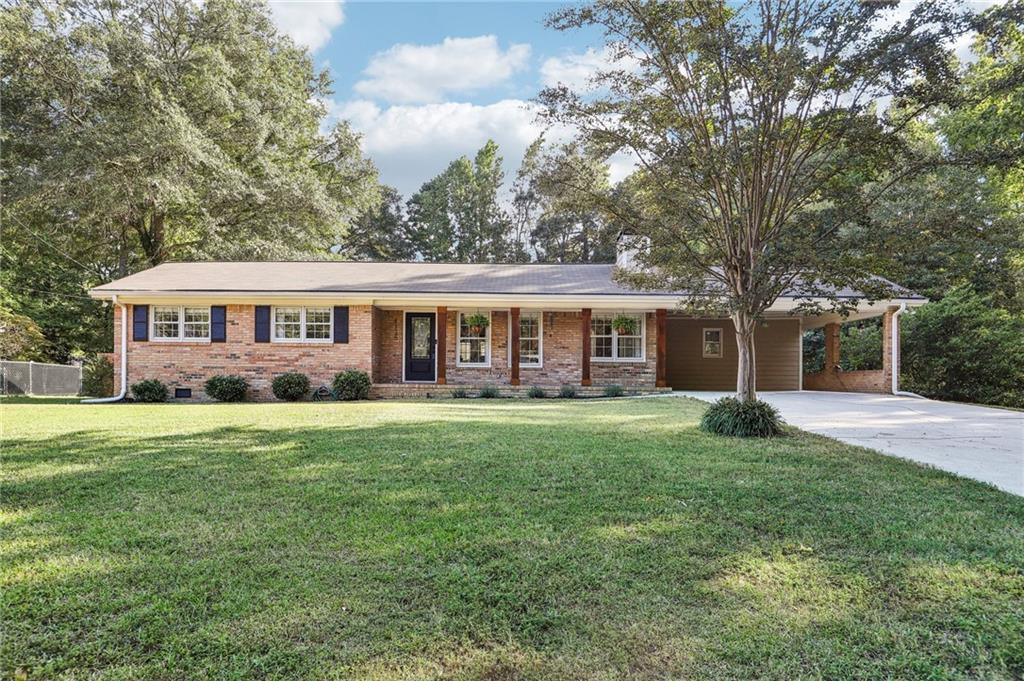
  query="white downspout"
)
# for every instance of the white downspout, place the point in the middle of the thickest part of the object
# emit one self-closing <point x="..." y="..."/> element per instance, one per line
<point x="895" y="343"/>
<point x="124" y="359"/>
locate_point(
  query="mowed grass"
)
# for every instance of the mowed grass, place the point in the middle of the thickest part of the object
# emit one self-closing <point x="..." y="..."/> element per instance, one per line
<point x="598" y="539"/>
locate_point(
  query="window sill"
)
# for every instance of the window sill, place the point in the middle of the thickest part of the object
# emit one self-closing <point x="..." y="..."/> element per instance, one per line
<point x="182" y="341"/>
<point x="459" y="365"/>
<point x="609" y="360"/>
<point x="301" y="342"/>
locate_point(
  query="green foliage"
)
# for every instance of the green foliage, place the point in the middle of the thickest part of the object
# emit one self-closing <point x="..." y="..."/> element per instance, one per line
<point x="226" y="388"/>
<point x="965" y="349"/>
<point x="567" y="392"/>
<point x="557" y="200"/>
<point x="291" y="386"/>
<point x="477" y="320"/>
<point x="135" y="133"/>
<point x="149" y="390"/>
<point x="489" y="392"/>
<point x="381" y="232"/>
<point x="460" y="393"/>
<point x="614" y="391"/>
<point x="456" y="216"/>
<point x="352" y="385"/>
<point x="813" y="351"/>
<point x="625" y="324"/>
<point x="20" y="337"/>
<point x="861" y="345"/>
<point x="536" y="392"/>
<point x="746" y="418"/>
<point x="98" y="377"/>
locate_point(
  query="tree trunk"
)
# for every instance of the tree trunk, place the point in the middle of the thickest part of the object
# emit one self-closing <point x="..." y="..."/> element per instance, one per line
<point x="746" y="368"/>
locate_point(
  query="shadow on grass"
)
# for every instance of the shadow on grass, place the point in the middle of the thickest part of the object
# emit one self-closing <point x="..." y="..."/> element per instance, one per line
<point x="548" y="541"/>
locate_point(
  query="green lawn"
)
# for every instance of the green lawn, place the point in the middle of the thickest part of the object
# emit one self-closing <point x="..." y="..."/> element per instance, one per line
<point x="478" y="539"/>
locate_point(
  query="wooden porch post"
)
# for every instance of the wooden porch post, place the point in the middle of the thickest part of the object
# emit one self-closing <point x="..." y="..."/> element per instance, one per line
<point x="659" y="372"/>
<point x="442" y="345"/>
<point x="514" y="341"/>
<point x="585" y="321"/>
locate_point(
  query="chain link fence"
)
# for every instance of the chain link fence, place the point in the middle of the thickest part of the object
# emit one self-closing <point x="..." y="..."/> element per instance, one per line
<point x="36" y="378"/>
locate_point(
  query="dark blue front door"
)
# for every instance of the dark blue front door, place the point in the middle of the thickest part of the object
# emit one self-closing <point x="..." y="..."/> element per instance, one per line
<point x="420" y="344"/>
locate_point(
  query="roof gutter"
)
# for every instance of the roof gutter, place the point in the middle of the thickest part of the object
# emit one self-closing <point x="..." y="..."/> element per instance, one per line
<point x="124" y="359"/>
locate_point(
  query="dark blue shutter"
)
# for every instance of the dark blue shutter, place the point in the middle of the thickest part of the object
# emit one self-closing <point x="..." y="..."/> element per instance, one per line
<point x="218" y="323"/>
<point x="341" y="324"/>
<point x="140" y="322"/>
<point x="262" y="323"/>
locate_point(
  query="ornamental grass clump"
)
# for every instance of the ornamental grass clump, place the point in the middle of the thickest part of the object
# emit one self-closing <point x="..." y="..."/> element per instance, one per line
<point x="614" y="391"/>
<point x="536" y="392"/>
<point x="489" y="392"/>
<point x="567" y="392"/>
<point x="751" y="418"/>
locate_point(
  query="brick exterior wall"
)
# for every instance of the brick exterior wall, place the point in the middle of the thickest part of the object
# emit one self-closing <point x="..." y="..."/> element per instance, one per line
<point x="189" y="364"/>
<point x="375" y="346"/>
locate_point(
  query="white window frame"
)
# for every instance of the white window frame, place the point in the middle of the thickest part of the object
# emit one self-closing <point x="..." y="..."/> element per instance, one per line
<point x="302" y="325"/>
<point x="615" y="340"/>
<point x="721" y="341"/>
<point x="486" y="339"/>
<point x="540" y="346"/>
<point x="180" y="337"/>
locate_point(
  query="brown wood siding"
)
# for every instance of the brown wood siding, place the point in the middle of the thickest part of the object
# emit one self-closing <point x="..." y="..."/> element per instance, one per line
<point x="778" y="355"/>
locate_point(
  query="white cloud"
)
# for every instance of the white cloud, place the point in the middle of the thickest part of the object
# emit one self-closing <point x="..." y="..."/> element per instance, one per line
<point x="308" y="22"/>
<point x="574" y="70"/>
<point x="407" y="74"/>
<point x="411" y="144"/>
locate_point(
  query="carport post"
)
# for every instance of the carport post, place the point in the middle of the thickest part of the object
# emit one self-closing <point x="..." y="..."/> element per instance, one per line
<point x="659" y="371"/>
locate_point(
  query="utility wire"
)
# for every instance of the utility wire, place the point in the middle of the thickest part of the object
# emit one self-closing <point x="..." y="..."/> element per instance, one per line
<point x="90" y="270"/>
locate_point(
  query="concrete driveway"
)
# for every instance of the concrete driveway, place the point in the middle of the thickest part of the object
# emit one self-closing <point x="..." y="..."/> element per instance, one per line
<point x="977" y="442"/>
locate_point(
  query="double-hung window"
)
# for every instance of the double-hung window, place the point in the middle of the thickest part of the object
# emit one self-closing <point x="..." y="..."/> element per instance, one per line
<point x="474" y="344"/>
<point x="302" y="324"/>
<point x="609" y="345"/>
<point x="531" y="344"/>
<point x="179" y="322"/>
<point x="711" y="342"/>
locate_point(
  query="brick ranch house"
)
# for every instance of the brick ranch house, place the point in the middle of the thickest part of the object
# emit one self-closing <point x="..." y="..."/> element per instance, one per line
<point x="405" y="324"/>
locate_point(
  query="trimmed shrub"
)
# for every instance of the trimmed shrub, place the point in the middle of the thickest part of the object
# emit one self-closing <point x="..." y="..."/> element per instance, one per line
<point x="964" y="348"/>
<point x="351" y="385"/>
<point x="226" y="388"/>
<point x="98" y="377"/>
<point x="730" y="416"/>
<point x="614" y="391"/>
<point x="149" y="390"/>
<point x="489" y="392"/>
<point x="460" y="393"/>
<point x="291" y="386"/>
<point x="536" y="392"/>
<point x="567" y="392"/>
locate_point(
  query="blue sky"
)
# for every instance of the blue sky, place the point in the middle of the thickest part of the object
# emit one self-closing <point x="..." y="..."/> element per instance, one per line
<point x="426" y="82"/>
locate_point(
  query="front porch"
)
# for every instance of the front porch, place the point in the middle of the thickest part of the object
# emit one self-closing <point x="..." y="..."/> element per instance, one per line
<point x="423" y="348"/>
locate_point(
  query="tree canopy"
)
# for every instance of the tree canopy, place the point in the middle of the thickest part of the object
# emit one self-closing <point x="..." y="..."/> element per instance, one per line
<point x="763" y="141"/>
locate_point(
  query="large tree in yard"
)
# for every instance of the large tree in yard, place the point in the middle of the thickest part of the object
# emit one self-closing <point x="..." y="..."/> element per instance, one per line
<point x="763" y="133"/>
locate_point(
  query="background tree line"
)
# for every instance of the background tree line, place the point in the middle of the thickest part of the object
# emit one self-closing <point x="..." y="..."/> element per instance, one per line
<point x="464" y="214"/>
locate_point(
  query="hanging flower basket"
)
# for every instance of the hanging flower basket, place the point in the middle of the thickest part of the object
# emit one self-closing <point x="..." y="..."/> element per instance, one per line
<point x="624" y="325"/>
<point x="477" y="323"/>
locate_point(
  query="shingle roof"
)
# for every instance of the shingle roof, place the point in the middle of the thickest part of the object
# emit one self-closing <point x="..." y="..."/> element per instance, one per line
<point x="377" y="277"/>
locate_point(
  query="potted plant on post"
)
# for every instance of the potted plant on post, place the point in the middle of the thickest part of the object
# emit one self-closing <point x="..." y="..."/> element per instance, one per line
<point x="625" y="325"/>
<point x="477" y="323"/>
